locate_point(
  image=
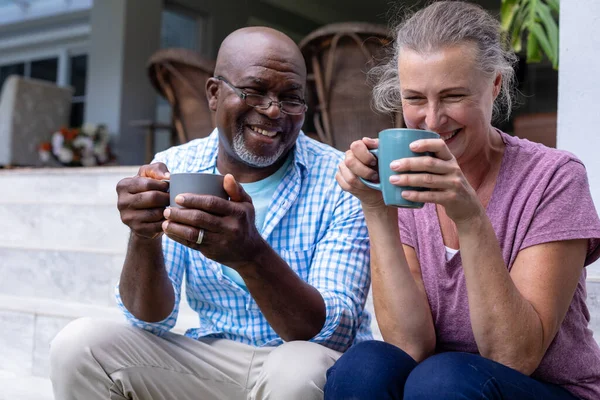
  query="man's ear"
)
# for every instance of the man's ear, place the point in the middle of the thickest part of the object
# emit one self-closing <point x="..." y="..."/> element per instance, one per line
<point x="212" y="93"/>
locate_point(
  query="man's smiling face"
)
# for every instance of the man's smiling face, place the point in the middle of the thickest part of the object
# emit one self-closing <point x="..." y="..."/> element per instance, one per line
<point x="259" y="64"/>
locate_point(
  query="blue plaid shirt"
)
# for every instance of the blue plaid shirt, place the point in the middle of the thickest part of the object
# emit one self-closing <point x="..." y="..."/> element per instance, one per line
<point x="317" y="228"/>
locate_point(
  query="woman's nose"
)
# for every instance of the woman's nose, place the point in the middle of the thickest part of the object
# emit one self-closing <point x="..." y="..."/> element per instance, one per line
<point x="435" y="118"/>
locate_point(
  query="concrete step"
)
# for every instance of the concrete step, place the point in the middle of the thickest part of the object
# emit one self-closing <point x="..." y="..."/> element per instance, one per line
<point x="69" y="227"/>
<point x="76" y="276"/>
<point x="30" y="323"/>
<point x="72" y="209"/>
<point x="63" y="185"/>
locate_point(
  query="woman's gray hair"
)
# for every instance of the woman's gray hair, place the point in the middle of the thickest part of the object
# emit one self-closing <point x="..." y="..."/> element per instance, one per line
<point x="443" y="24"/>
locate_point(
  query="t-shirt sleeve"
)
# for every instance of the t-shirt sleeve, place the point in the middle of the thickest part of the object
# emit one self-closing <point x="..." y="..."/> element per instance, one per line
<point x="566" y="211"/>
<point x="406" y="224"/>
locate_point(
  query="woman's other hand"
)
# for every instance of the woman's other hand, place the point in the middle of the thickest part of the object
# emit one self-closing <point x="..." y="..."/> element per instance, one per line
<point x="359" y="162"/>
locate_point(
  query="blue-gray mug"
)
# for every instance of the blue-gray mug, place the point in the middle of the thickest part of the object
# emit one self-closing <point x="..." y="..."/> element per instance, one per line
<point x="196" y="183"/>
<point x="394" y="145"/>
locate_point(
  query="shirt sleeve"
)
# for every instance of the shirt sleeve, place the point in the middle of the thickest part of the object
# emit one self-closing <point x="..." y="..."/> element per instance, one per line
<point x="406" y="226"/>
<point x="175" y="258"/>
<point x="340" y="271"/>
<point x="566" y="211"/>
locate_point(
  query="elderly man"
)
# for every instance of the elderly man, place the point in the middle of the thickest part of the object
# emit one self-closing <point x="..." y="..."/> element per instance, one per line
<point x="278" y="274"/>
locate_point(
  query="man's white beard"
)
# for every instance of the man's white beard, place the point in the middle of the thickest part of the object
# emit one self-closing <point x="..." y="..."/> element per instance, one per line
<point x="240" y="148"/>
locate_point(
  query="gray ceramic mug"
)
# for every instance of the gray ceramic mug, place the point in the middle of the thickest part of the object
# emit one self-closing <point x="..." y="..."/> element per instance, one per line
<point x="196" y="183"/>
<point x="394" y="145"/>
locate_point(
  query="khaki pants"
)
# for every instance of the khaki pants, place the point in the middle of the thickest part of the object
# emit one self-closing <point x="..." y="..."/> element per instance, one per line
<point x="96" y="359"/>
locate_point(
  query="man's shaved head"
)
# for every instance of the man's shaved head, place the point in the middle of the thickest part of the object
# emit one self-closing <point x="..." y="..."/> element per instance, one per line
<point x="257" y="42"/>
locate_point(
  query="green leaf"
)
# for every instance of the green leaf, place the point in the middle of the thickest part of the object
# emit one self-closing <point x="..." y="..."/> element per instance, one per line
<point x="518" y="28"/>
<point x="508" y="9"/>
<point x="515" y="41"/>
<point x="533" y="50"/>
<point x="533" y="22"/>
<point x="530" y="10"/>
<point x="538" y="32"/>
<point x="551" y="28"/>
<point x="550" y="25"/>
<point x="554" y="5"/>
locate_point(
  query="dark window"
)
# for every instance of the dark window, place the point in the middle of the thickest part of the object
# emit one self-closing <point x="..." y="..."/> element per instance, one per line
<point x="12" y="69"/>
<point x="179" y="30"/>
<point x="77" y="77"/>
<point x="78" y="66"/>
<point x="77" y="111"/>
<point x="46" y="70"/>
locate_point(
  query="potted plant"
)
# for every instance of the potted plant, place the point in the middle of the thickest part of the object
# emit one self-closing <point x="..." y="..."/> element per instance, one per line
<point x="87" y="146"/>
<point x="532" y="24"/>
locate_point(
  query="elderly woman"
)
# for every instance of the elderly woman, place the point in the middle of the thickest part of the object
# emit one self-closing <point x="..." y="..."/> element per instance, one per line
<point x="481" y="293"/>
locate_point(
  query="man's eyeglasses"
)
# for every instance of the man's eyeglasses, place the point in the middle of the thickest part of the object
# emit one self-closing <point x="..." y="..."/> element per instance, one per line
<point x="263" y="102"/>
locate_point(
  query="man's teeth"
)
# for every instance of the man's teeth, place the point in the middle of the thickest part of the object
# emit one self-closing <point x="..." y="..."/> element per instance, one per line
<point x="264" y="132"/>
<point x="450" y="135"/>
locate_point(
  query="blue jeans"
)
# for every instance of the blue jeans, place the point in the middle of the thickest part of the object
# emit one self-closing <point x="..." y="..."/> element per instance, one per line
<point x="378" y="370"/>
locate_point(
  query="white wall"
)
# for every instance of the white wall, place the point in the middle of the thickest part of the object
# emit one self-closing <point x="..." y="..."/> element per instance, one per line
<point x="579" y="87"/>
<point x="105" y="61"/>
<point x="59" y="35"/>
<point x="125" y="33"/>
<point x="13" y="13"/>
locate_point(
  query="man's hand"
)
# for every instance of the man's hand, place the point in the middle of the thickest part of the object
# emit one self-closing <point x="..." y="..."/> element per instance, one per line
<point x="142" y="200"/>
<point x="230" y="236"/>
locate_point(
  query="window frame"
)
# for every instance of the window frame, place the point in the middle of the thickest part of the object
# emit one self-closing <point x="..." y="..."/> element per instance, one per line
<point x="62" y="53"/>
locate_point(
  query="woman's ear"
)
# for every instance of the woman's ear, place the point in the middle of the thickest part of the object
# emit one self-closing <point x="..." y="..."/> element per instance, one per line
<point x="212" y="93"/>
<point x="497" y="85"/>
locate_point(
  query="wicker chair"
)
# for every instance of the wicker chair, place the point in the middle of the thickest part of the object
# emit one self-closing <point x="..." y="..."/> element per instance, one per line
<point x="339" y="97"/>
<point x="179" y="75"/>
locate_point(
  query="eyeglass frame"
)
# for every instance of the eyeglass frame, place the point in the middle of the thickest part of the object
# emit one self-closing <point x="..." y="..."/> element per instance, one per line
<point x="243" y="95"/>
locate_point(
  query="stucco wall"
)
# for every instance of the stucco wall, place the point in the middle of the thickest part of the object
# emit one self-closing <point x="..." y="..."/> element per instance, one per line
<point x="579" y="87"/>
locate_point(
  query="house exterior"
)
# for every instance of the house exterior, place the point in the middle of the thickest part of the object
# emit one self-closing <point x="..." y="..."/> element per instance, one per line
<point x="101" y="49"/>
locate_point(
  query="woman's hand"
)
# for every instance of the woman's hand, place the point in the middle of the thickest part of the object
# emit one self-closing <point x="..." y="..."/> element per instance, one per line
<point x="442" y="175"/>
<point x="359" y="162"/>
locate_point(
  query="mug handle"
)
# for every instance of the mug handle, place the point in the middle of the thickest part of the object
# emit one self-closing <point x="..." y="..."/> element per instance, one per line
<point x="167" y="181"/>
<point x="376" y="186"/>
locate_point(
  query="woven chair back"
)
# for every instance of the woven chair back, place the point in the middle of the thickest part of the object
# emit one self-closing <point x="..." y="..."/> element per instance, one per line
<point x="339" y="96"/>
<point x="180" y="75"/>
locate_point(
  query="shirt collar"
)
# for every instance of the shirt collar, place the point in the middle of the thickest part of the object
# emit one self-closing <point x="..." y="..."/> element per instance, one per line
<point x="207" y="156"/>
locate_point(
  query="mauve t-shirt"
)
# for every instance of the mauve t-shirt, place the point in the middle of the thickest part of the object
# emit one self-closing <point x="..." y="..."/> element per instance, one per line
<point x="541" y="195"/>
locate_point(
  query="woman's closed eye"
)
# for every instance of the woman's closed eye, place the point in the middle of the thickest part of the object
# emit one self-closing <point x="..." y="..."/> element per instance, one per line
<point x="414" y="99"/>
<point x="454" y="97"/>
